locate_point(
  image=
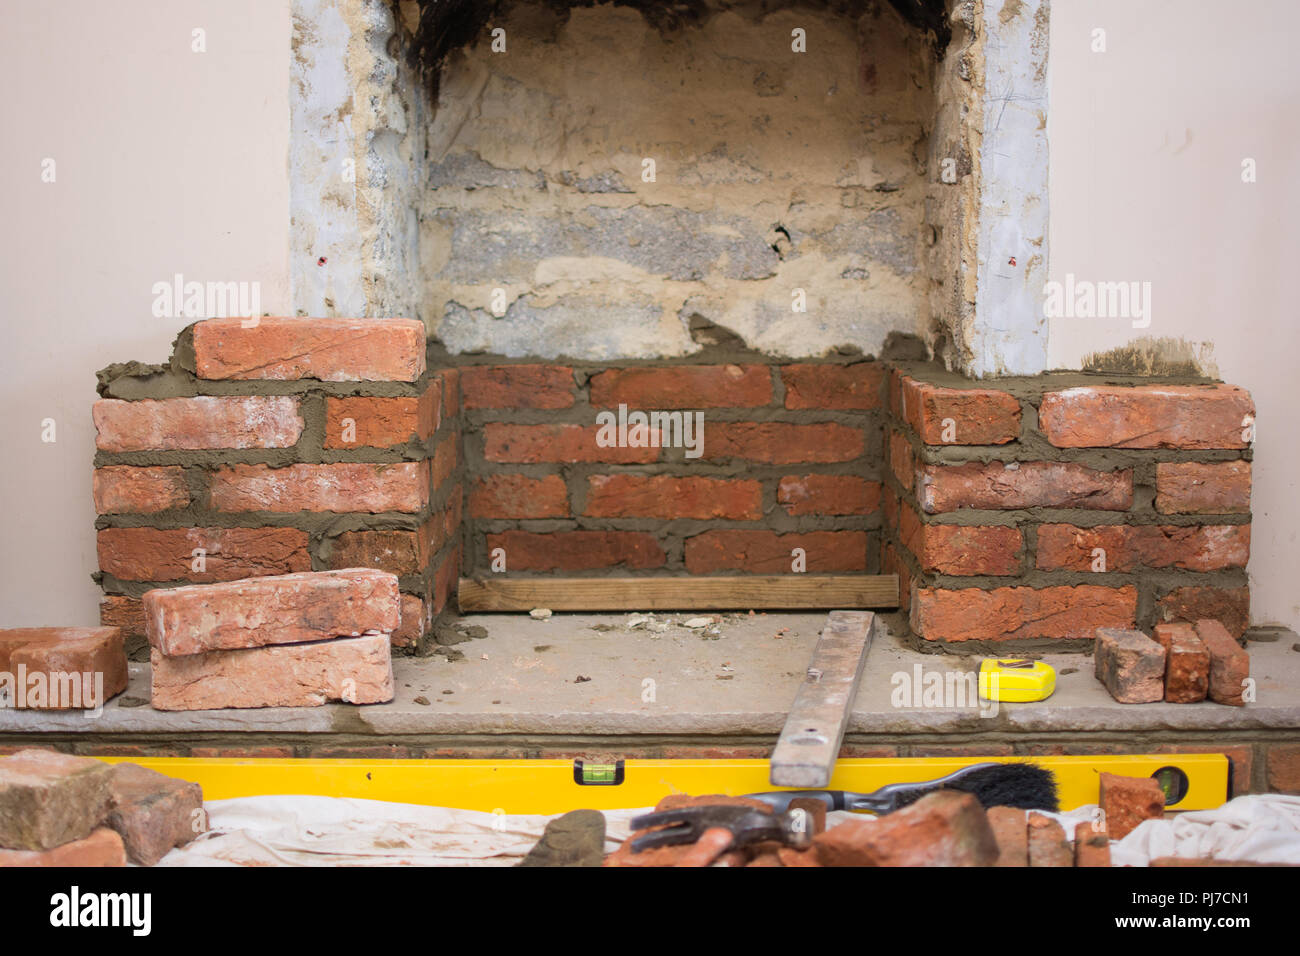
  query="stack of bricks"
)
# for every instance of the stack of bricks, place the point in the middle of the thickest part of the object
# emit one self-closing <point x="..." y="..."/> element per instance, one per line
<point x="783" y="477"/>
<point x="294" y="640"/>
<point x="1182" y="665"/>
<point x="269" y="446"/>
<point x="1033" y="512"/>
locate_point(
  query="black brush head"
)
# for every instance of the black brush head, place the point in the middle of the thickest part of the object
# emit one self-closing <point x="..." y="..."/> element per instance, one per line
<point x="1026" y="786"/>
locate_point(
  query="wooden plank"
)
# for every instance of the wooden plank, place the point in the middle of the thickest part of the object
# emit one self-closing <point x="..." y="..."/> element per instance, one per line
<point x="810" y="741"/>
<point x="776" y="592"/>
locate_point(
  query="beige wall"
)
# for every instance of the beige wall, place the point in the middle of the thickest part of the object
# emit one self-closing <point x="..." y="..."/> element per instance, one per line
<point x="1147" y="141"/>
<point x="166" y="161"/>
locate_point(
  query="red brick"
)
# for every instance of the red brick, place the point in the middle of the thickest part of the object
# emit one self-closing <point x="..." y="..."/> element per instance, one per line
<point x="124" y="612"/>
<point x="517" y="386"/>
<point x="208" y="421"/>
<point x="556" y="443"/>
<point x="153" y="812"/>
<point x="103" y="847"/>
<point x="446" y="459"/>
<point x="1047" y="843"/>
<point x="946" y="828"/>
<point x="1127" y="547"/>
<point x="356" y="669"/>
<point x="1011" y="830"/>
<point x="901" y="460"/>
<point x="376" y="752"/>
<point x="243" y="753"/>
<point x="1147" y="416"/>
<point x="833" y="386"/>
<point x="828" y="495"/>
<point x="1229" y="664"/>
<point x="1128" y="801"/>
<point x="977" y="416"/>
<point x="382" y="422"/>
<point x="157" y="554"/>
<point x="48" y="799"/>
<point x="1130" y="665"/>
<point x="1229" y="606"/>
<point x="577" y="550"/>
<point x="1020" y="613"/>
<point x="446" y="580"/>
<point x="399" y="551"/>
<point x="960" y="549"/>
<point x="1188" y="487"/>
<point x="342" y="487"/>
<point x="780" y="443"/>
<point x="892" y="564"/>
<point x="1187" y="663"/>
<point x="277" y="609"/>
<point x="1091" y="846"/>
<point x="329" y="349"/>
<point x="65" y="657"/>
<point x="684" y="386"/>
<point x="451" y="398"/>
<point x="766" y="552"/>
<point x="519" y="496"/>
<point x="417" y="618"/>
<point x="889" y="506"/>
<point x="1026" y="484"/>
<point x="1284" y="768"/>
<point x="663" y="496"/>
<point x="126" y="489"/>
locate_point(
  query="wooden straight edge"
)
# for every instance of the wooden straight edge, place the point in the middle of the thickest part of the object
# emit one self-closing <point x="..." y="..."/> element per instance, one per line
<point x="772" y="592"/>
<point x="809" y="744"/>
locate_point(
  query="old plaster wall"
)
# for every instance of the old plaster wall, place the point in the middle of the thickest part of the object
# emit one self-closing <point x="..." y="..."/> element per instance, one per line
<point x="774" y="171"/>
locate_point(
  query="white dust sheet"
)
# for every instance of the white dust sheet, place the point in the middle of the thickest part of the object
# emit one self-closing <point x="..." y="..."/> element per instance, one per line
<point x="332" y="831"/>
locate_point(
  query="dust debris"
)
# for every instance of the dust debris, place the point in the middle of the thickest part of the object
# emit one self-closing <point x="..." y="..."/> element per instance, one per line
<point x="540" y="613"/>
<point x="580" y="679"/>
<point x="422" y="701"/>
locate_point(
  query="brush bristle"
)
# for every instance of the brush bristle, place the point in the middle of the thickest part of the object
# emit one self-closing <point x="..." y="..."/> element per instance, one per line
<point x="1023" y="785"/>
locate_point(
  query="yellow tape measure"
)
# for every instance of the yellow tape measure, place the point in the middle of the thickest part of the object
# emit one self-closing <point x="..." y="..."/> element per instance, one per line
<point x="1015" y="680"/>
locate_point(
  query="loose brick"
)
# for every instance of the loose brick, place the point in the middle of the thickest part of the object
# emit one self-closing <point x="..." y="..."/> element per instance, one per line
<point x="364" y="422"/>
<point x="1147" y="416"/>
<point x="1028" y="484"/>
<point x="208" y="421"/>
<point x="281" y="609"/>
<point x="153" y="812"/>
<point x="1020" y="613"/>
<point x="226" y="554"/>
<point x="1047" y="843"/>
<point x="1188" y="487"/>
<point x="342" y="487"/>
<point x="833" y="386"/>
<point x="1187" y="663"/>
<point x="525" y="444"/>
<point x="519" y="496"/>
<point x="946" y="828"/>
<point x="959" y="416"/>
<point x="329" y="349"/>
<point x="122" y="612"/>
<point x="1128" y="547"/>
<point x="126" y="489"/>
<point x="48" y="799"/>
<point x="901" y="460"/>
<point x="1127" y="801"/>
<point x="1130" y="665"/>
<point x="578" y="550"/>
<point x="1229" y="606"/>
<point x="102" y="848"/>
<point x="417" y="620"/>
<point x="961" y="549"/>
<point x="79" y="668"/>
<point x="517" y="386"/>
<point x="1091" y="846"/>
<point x="780" y="443"/>
<point x="357" y="670"/>
<point x="1011" y="830"/>
<point x="767" y="552"/>
<point x="666" y="497"/>
<point x="1284" y="768"/>
<point x="828" y="495"/>
<point x="686" y="386"/>
<point x="1229" y="664"/>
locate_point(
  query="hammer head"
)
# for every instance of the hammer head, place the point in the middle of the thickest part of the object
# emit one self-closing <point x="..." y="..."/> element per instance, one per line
<point x="746" y="825"/>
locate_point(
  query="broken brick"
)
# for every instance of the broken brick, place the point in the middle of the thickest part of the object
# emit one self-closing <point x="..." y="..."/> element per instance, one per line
<point x="1229" y="664"/>
<point x="1131" y="665"/>
<point x="49" y="798"/>
<point x="1187" y="663"/>
<point x="1127" y="801"/>
<point x="946" y="828"/>
<point x="1047" y="843"/>
<point x="153" y="812"/>
<point x="102" y="848"/>
<point x="1091" y="846"/>
<point x="79" y="667"/>
<point x="1010" y="829"/>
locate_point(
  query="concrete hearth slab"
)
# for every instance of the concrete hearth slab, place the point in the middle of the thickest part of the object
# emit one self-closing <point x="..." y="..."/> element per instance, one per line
<point x="588" y="674"/>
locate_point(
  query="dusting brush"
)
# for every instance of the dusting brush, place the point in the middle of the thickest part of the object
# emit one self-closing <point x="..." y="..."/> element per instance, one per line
<point x="1023" y="785"/>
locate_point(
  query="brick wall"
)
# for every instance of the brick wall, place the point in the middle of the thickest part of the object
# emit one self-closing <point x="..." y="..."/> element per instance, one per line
<point x="789" y="460"/>
<point x="1031" y="513"/>
<point x="290" y="446"/>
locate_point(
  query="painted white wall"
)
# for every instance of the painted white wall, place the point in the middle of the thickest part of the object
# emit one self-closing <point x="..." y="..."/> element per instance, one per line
<point x="167" y="161"/>
<point x="1147" y="141"/>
